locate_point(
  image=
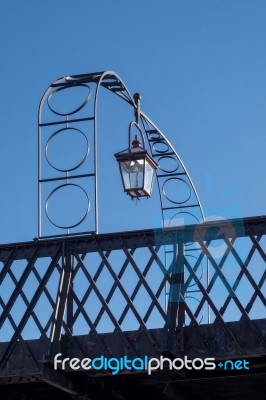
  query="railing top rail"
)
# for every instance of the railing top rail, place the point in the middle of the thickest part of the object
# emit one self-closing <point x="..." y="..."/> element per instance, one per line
<point x="210" y="230"/>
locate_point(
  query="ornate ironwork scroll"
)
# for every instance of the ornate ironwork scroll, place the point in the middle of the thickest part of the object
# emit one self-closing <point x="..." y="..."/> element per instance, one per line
<point x="68" y="196"/>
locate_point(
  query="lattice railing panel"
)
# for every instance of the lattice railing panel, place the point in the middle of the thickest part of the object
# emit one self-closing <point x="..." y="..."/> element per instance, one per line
<point x="28" y="293"/>
<point x="117" y="283"/>
<point x="110" y="285"/>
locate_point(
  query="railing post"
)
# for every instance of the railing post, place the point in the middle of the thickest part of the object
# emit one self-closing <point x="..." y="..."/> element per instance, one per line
<point x="70" y="298"/>
<point x="61" y="301"/>
<point x="175" y="309"/>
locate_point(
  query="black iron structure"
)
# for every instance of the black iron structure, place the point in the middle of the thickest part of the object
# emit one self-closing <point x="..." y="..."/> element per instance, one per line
<point x="180" y="291"/>
<point x="96" y="295"/>
<point x="178" y="198"/>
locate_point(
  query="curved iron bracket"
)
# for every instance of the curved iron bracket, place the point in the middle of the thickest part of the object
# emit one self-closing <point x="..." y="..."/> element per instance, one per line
<point x="179" y="200"/>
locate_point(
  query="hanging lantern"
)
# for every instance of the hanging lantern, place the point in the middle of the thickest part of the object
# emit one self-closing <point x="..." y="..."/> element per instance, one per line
<point x="137" y="167"/>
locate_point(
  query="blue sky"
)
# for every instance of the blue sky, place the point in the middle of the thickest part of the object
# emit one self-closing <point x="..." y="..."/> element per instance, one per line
<point x="200" y="67"/>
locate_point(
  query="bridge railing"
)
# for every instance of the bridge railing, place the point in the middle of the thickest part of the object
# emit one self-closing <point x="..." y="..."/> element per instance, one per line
<point x="120" y="284"/>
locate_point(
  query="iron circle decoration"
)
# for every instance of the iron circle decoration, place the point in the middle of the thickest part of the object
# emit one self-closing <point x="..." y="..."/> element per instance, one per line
<point x="87" y="98"/>
<point x="83" y="158"/>
<point x="188" y="216"/>
<point x="182" y="212"/>
<point x="155" y="136"/>
<point x="81" y="219"/>
<point x="163" y="144"/>
<point x="183" y="201"/>
<point x="110" y="81"/>
<point x="168" y="170"/>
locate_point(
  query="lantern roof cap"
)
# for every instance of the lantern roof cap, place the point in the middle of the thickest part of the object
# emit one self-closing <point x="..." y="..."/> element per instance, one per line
<point x="132" y="150"/>
<point x="135" y="153"/>
<point x="135" y="150"/>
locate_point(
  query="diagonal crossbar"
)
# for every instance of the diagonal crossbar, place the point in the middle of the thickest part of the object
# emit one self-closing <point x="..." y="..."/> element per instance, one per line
<point x="238" y="280"/>
<point x="248" y="275"/>
<point x="213" y="279"/>
<point x="89" y="290"/>
<point x="102" y="300"/>
<point x="142" y="281"/>
<point x="233" y="295"/>
<point x="18" y="287"/>
<point x="209" y="301"/>
<point x="127" y="298"/>
<point x="24" y="343"/>
<point x="113" y="288"/>
<point x="29" y="310"/>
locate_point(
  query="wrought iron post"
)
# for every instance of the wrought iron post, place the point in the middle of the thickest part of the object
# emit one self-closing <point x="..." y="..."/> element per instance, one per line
<point x="61" y="301"/>
<point x="176" y="307"/>
<point x="70" y="298"/>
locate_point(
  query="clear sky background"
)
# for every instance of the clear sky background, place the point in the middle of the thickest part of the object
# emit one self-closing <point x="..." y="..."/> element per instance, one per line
<point x="200" y="67"/>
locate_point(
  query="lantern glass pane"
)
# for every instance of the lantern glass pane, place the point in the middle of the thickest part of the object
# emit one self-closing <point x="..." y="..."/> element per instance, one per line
<point x="132" y="173"/>
<point x="125" y="175"/>
<point x="149" y="175"/>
